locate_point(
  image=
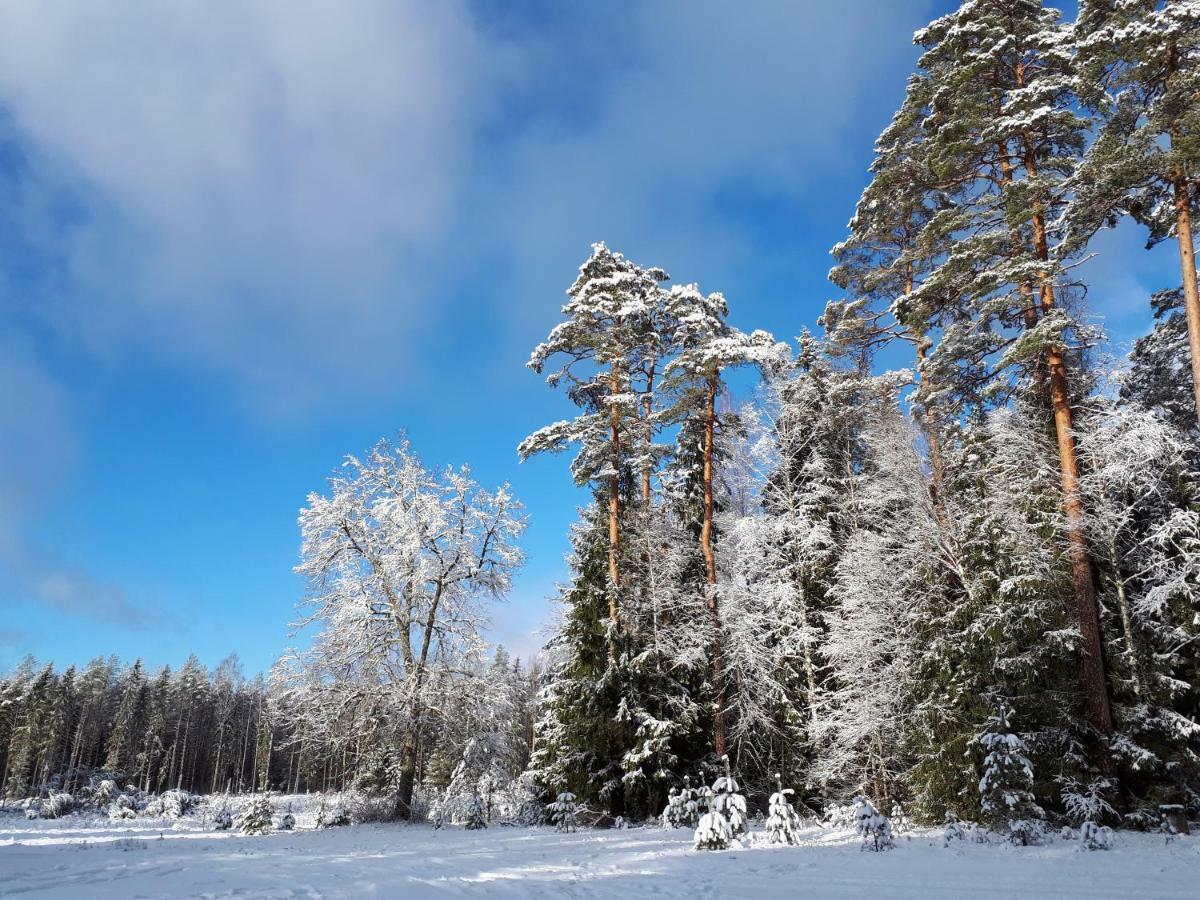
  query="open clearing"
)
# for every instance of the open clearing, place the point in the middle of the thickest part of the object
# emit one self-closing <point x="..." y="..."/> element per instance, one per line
<point x="93" y="859"/>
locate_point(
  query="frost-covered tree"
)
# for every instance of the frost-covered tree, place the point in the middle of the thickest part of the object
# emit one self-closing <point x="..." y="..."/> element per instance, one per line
<point x="398" y="560"/>
<point x="1159" y="376"/>
<point x="713" y="831"/>
<point x="728" y="801"/>
<point x="562" y="812"/>
<point x="1144" y="503"/>
<point x="708" y="346"/>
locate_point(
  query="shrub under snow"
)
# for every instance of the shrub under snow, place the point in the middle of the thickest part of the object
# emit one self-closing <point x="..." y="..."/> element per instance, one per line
<point x="57" y="806"/>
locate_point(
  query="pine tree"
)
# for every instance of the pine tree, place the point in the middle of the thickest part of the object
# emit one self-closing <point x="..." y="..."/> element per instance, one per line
<point x="782" y="822"/>
<point x="258" y="816"/>
<point x="1003" y="133"/>
<point x="708" y="346"/>
<point x="611" y="332"/>
<point x="562" y="812"/>
<point x="1139" y="71"/>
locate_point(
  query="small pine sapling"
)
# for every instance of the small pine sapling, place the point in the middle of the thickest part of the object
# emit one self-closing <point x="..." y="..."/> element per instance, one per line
<point x="713" y="832"/>
<point x="562" y="812"/>
<point x="691" y="803"/>
<point x="332" y="815"/>
<point x="952" y="830"/>
<point x="872" y="826"/>
<point x="728" y="802"/>
<point x="1088" y="805"/>
<point x="1005" y="790"/>
<point x="223" y="819"/>
<point x="1095" y="837"/>
<point x="258" y="815"/>
<point x="474" y="813"/>
<point x="783" y="824"/>
<point x="674" y="815"/>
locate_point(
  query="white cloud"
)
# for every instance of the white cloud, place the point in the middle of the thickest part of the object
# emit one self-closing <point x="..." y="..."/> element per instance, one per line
<point x="257" y="183"/>
<point x="285" y="193"/>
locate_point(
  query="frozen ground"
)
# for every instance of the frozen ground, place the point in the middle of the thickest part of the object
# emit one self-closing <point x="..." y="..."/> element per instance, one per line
<point x="75" y="858"/>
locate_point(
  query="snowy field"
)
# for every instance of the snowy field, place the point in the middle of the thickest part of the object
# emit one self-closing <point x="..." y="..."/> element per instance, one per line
<point x="78" y="858"/>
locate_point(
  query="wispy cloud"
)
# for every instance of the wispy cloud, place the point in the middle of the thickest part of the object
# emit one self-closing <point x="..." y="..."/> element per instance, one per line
<point x="286" y="194"/>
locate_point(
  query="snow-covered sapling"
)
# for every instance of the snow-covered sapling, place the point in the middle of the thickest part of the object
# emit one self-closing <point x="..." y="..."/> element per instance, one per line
<point x="953" y="830"/>
<point x="57" y="806"/>
<point x="783" y="824"/>
<point x="474" y="813"/>
<point x="899" y="818"/>
<point x="1095" y="837"/>
<point x="223" y="818"/>
<point x="728" y="802"/>
<point x="122" y="808"/>
<point x="713" y="832"/>
<point x="1005" y="790"/>
<point x="332" y="815"/>
<point x="257" y="816"/>
<point x="673" y="814"/>
<point x="562" y="812"/>
<point x="691" y="803"/>
<point x="872" y="826"/>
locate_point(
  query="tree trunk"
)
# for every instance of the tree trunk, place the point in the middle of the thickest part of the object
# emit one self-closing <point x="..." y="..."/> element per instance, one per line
<point x="614" y="510"/>
<point x="1093" y="677"/>
<point x="710" y="569"/>
<point x="1135" y="665"/>
<point x="1187" y="265"/>
<point x="1187" y="249"/>
<point x="647" y="410"/>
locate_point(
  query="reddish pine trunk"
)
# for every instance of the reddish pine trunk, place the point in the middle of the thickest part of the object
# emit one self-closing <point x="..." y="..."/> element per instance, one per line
<point x="1187" y="265"/>
<point x="710" y="571"/>
<point x="614" y="509"/>
<point x="1093" y="678"/>
<point x="1187" y="250"/>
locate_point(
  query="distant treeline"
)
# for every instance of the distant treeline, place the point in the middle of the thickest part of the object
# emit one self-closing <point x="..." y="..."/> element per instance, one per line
<point x="191" y="728"/>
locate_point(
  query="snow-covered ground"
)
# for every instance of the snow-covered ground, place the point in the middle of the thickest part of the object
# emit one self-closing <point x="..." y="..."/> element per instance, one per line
<point x="78" y="858"/>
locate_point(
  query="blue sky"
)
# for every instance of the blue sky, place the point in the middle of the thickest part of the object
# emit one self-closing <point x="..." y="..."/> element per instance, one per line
<point x="239" y="241"/>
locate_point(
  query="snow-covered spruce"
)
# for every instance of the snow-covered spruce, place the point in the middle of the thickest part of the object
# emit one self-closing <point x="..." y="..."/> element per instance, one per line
<point x="474" y="813"/>
<point x="674" y="814"/>
<point x="952" y="830"/>
<point x="728" y="802"/>
<point x="222" y="819"/>
<point x="1006" y="788"/>
<point x="1095" y="837"/>
<point x="332" y="813"/>
<point x="562" y="812"/>
<point x="782" y="822"/>
<point x="257" y="817"/>
<point x="713" y="831"/>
